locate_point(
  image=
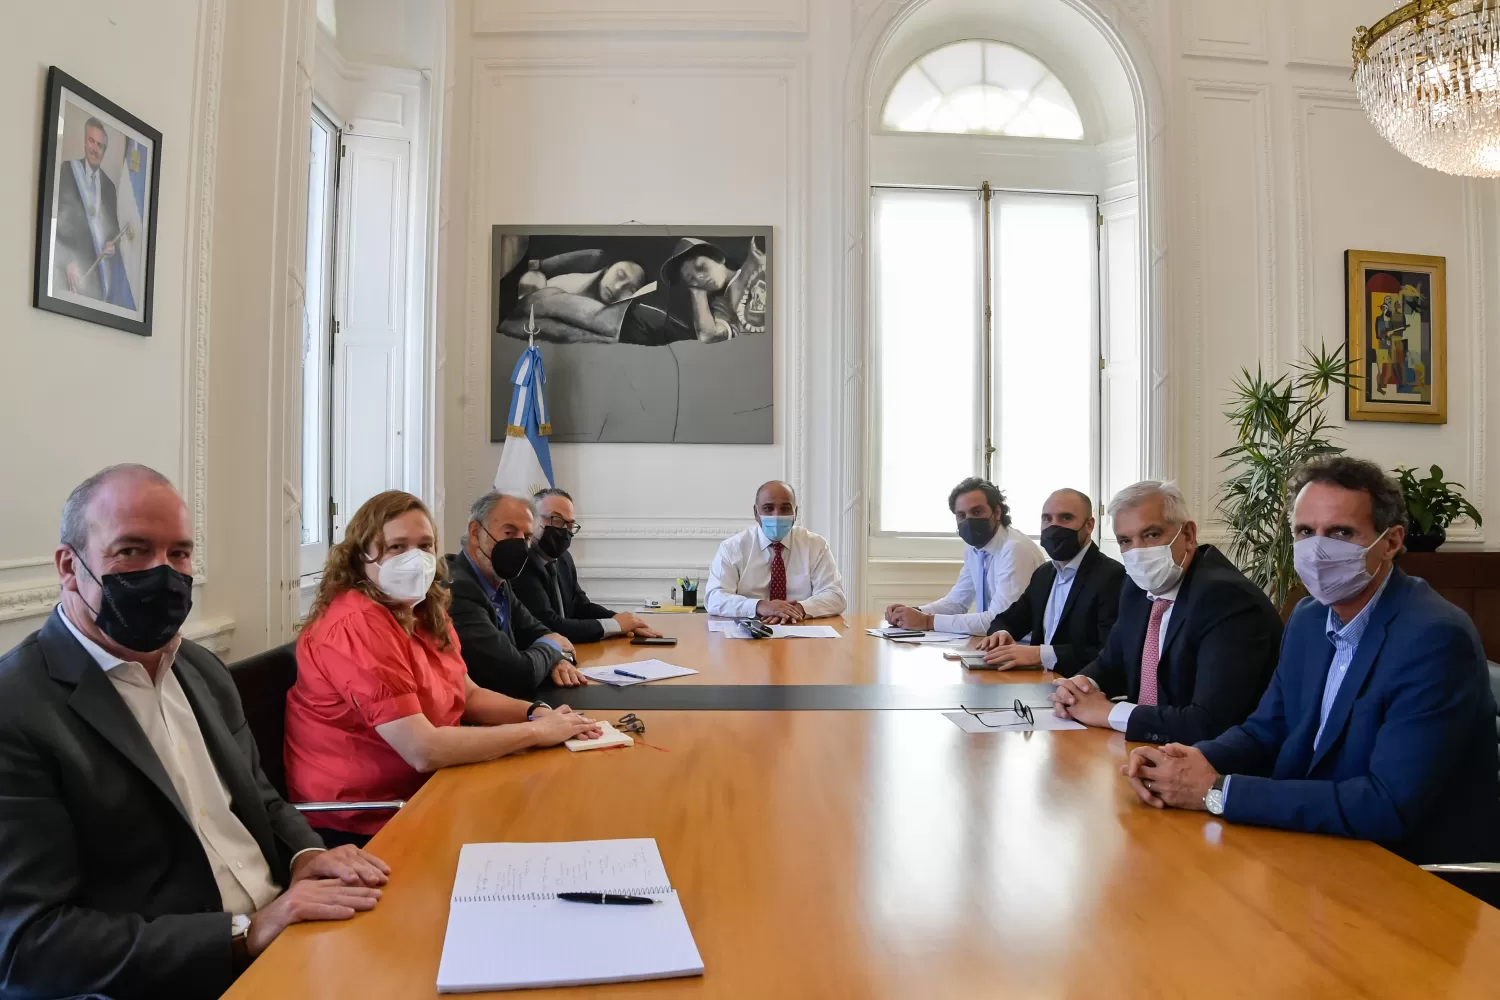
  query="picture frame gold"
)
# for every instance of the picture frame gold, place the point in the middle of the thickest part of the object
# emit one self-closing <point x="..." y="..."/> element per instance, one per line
<point x="1396" y="335"/>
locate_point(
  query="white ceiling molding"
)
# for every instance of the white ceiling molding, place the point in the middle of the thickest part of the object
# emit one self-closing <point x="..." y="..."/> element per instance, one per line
<point x="503" y="16"/>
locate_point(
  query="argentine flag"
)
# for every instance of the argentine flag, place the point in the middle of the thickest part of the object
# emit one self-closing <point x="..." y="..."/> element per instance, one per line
<point x="131" y="206"/>
<point x="525" y="460"/>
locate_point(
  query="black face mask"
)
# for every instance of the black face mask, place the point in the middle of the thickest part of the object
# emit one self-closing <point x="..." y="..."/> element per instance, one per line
<point x="142" y="609"/>
<point x="508" y="557"/>
<point x="554" y="541"/>
<point x="977" y="531"/>
<point x="1060" y="542"/>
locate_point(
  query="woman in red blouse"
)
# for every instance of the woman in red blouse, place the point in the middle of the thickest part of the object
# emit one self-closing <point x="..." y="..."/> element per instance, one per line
<point x="381" y="688"/>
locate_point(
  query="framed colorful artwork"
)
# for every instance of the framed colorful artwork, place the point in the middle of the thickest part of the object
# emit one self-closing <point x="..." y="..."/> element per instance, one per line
<point x="1397" y="337"/>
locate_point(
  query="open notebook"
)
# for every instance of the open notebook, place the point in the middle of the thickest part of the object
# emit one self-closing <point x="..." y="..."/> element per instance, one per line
<point x="508" y="930"/>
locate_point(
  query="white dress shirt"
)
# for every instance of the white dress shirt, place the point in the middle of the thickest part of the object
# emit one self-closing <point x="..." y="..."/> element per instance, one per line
<point x="1004" y="565"/>
<point x="166" y="716"/>
<point x="1062" y="586"/>
<point x="740" y="577"/>
<point x="1119" y="716"/>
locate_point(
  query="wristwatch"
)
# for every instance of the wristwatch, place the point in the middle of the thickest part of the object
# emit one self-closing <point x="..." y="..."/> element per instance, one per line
<point x="239" y="940"/>
<point x="534" y="706"/>
<point x="1213" y="801"/>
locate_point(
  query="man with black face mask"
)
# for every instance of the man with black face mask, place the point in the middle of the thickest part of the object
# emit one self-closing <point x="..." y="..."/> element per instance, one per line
<point x="548" y="584"/>
<point x="505" y="648"/>
<point x="143" y="853"/>
<point x="998" y="564"/>
<point x="1063" y="618"/>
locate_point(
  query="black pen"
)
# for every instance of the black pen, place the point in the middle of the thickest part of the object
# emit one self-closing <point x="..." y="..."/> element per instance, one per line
<point x="605" y="898"/>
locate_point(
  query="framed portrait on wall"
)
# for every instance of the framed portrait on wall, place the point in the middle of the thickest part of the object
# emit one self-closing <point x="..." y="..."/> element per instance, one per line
<point x="1397" y="315"/>
<point x="96" y="209"/>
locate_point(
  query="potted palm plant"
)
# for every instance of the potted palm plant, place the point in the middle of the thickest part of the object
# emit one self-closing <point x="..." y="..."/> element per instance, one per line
<point x="1281" y="423"/>
<point x="1431" y="505"/>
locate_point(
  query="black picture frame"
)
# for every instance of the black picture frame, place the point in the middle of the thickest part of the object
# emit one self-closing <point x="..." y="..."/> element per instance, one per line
<point x="121" y="292"/>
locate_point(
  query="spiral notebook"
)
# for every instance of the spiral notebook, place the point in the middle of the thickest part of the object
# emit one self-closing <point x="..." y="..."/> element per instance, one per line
<point x="507" y="929"/>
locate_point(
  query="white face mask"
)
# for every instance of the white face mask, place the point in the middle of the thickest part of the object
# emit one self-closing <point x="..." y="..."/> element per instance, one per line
<point x="1152" y="568"/>
<point x="406" y="577"/>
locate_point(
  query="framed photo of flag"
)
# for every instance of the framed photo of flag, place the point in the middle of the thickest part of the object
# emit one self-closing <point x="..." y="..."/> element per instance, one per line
<point x="96" y="209"/>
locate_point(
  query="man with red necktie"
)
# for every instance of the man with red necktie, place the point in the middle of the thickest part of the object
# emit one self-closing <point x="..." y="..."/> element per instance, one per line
<point x="776" y="570"/>
<point x="1195" y="642"/>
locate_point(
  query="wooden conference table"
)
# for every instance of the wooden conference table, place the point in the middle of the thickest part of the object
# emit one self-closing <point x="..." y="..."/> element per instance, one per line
<point x="888" y="854"/>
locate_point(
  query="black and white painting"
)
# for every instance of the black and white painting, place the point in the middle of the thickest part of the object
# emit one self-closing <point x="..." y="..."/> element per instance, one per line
<point x="96" y="209"/>
<point x="648" y="334"/>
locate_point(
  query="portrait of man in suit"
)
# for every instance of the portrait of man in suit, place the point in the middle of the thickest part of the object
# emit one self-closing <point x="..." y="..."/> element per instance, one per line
<point x="99" y="175"/>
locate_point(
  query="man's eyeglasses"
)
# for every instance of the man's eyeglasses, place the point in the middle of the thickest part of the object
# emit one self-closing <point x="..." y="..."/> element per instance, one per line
<point x="555" y="521"/>
<point x="631" y="724"/>
<point x="1021" y="709"/>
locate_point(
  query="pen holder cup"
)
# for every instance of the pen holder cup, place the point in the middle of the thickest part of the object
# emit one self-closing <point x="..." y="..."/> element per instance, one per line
<point x="690" y="597"/>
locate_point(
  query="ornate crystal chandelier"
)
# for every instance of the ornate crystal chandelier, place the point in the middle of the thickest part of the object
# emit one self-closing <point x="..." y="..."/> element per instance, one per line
<point x="1428" y="75"/>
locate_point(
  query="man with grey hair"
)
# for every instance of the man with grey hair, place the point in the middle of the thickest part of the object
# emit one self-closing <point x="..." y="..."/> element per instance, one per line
<point x="1195" y="641"/>
<point x="142" y="850"/>
<point x="1379" y="722"/>
<point x="505" y="648"/>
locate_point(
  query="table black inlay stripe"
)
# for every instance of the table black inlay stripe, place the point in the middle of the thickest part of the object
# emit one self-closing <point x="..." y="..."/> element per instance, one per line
<point x="795" y="697"/>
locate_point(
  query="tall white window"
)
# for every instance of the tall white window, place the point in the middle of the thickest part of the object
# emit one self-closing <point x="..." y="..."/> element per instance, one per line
<point x="985" y="88"/>
<point x="317" y="342"/>
<point x="1014" y="399"/>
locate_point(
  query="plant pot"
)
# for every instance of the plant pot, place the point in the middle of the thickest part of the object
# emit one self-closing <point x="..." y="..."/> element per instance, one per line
<point x="1427" y="543"/>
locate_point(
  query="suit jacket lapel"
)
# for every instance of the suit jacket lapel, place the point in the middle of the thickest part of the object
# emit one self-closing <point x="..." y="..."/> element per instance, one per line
<point x="97" y="702"/>
<point x="1359" y="670"/>
<point x="233" y="770"/>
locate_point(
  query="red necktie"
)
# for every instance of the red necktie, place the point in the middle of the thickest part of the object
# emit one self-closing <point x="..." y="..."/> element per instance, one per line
<point x="1151" y="653"/>
<point x="778" y="573"/>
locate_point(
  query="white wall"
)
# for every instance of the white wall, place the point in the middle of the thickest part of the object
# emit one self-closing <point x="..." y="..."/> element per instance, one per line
<point x="746" y="111"/>
<point x="74" y="396"/>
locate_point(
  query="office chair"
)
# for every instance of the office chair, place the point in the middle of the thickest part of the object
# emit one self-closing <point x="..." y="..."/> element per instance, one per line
<point x="263" y="681"/>
<point x="1478" y="878"/>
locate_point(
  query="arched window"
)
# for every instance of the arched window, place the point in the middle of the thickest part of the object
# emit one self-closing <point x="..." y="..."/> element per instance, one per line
<point x="982" y="88"/>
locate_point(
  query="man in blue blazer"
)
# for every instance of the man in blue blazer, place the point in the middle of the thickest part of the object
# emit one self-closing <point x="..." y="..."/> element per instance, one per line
<point x="1379" y="721"/>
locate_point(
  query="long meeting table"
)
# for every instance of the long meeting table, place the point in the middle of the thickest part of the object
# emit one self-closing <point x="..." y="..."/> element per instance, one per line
<point x="836" y="850"/>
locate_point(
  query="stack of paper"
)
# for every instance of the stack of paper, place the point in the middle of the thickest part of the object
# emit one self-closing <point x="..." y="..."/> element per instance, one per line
<point x="934" y="637"/>
<point x="732" y="630"/>
<point x="618" y="675"/>
<point x="1005" y="721"/>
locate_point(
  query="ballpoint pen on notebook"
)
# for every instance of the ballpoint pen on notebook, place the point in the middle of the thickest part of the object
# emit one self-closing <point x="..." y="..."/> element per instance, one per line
<point x="605" y="899"/>
<point x="627" y="673"/>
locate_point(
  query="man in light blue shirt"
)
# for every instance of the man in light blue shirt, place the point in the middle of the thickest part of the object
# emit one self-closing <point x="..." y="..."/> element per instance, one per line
<point x="1379" y="723"/>
<point x="998" y="563"/>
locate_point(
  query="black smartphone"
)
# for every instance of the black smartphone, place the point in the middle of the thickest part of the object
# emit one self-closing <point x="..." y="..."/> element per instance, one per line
<point x="663" y="641"/>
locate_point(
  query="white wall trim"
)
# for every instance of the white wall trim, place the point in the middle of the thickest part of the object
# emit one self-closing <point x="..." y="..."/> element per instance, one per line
<point x="718" y="528"/>
<point x="505" y="16"/>
<point x="1199" y="44"/>
<point x="198" y="288"/>
<point x="1258" y="95"/>
<point x="1306" y="102"/>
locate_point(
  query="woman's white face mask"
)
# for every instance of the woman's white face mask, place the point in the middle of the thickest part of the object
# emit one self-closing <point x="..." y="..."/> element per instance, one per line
<point x="407" y="576"/>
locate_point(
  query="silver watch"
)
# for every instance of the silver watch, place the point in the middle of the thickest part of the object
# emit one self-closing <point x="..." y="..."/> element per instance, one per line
<point x="239" y="926"/>
<point x="1213" y="800"/>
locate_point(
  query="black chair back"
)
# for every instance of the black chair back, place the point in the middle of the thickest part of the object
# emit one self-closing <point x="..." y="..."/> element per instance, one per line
<point x="263" y="681"/>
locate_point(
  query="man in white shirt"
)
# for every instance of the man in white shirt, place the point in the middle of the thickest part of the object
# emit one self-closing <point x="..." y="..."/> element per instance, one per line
<point x="142" y="850"/>
<point x="998" y="564"/>
<point x="776" y="570"/>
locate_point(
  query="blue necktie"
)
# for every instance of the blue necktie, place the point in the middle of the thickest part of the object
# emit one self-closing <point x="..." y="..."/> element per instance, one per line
<point x="982" y="599"/>
<point x="502" y="608"/>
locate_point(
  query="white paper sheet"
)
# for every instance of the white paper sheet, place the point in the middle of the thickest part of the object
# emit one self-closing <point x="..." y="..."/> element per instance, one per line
<point x="1001" y="721"/>
<point x="789" y="632"/>
<point x="937" y="637"/>
<point x="648" y="670"/>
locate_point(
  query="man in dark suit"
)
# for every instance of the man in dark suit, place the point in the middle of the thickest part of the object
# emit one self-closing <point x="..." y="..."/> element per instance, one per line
<point x="548" y="584"/>
<point x="1379" y="722"/>
<point x="1069" y="607"/>
<point x="86" y="258"/>
<point x="1195" y="642"/>
<point x="505" y="648"/>
<point x="143" y="853"/>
